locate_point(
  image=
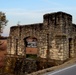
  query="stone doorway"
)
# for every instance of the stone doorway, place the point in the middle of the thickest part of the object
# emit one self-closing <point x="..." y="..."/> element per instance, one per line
<point x="70" y="47"/>
<point x="30" y="47"/>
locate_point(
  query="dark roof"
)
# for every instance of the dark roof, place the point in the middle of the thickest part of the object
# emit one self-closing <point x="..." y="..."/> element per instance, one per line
<point x="60" y="12"/>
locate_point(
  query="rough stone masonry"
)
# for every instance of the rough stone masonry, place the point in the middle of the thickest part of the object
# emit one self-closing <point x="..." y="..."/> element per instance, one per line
<point x="55" y="37"/>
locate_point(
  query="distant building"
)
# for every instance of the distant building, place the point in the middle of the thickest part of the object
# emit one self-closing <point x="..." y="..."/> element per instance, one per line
<point x="54" y="39"/>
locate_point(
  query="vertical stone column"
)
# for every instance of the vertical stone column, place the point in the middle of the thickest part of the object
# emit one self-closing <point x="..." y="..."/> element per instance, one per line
<point x="42" y="45"/>
<point x="9" y="45"/>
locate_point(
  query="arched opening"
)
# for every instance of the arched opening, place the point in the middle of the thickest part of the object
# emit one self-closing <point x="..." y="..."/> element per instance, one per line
<point x="30" y="47"/>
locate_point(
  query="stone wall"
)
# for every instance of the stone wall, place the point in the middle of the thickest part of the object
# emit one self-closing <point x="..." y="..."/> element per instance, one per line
<point x="20" y="65"/>
<point x="55" y="39"/>
<point x="21" y="32"/>
<point x="59" y="28"/>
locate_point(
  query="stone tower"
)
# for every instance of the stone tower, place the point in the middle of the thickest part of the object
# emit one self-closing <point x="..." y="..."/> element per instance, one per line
<point x="59" y="26"/>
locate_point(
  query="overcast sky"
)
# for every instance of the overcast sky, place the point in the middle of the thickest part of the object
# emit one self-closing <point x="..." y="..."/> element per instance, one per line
<point x="32" y="11"/>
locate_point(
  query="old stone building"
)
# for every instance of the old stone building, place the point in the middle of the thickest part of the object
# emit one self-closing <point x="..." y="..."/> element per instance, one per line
<point x="54" y="39"/>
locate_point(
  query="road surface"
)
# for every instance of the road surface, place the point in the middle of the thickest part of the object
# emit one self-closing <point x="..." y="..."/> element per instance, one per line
<point x="71" y="70"/>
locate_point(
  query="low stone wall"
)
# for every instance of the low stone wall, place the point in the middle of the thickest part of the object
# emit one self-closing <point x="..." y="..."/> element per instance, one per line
<point x="19" y="65"/>
<point x="66" y="64"/>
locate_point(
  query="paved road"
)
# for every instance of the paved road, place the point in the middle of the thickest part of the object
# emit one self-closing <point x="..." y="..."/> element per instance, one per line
<point x="66" y="71"/>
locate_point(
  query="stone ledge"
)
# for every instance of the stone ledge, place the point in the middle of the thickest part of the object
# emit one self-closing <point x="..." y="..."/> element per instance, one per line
<point x="41" y="72"/>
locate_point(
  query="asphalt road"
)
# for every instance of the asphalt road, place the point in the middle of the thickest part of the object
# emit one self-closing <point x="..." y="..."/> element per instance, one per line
<point x="71" y="70"/>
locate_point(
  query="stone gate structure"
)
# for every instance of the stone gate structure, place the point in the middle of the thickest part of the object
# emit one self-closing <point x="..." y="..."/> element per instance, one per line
<point x="55" y="37"/>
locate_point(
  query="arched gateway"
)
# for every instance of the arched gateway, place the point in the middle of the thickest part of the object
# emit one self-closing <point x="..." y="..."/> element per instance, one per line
<point x="30" y="47"/>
